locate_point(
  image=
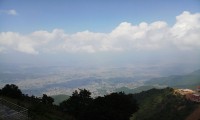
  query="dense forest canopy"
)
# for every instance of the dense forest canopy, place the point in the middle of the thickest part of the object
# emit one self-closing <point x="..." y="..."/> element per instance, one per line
<point x="80" y="106"/>
<point x="153" y="104"/>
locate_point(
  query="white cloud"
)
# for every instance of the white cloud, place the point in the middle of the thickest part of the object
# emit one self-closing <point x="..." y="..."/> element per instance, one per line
<point x="9" y="12"/>
<point x="142" y="36"/>
<point x="2" y="49"/>
<point x="15" y="41"/>
<point x="12" y="12"/>
<point x="184" y="34"/>
<point x="186" y="31"/>
<point x="26" y="48"/>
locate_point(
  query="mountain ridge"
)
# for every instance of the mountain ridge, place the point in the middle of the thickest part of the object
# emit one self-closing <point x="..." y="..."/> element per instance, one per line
<point x="190" y="80"/>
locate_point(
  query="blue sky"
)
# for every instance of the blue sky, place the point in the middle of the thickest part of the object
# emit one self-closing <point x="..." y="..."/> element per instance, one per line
<point x="94" y="15"/>
<point x="104" y="31"/>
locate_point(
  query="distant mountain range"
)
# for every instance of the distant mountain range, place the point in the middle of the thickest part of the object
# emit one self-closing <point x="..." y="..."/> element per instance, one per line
<point x="191" y="80"/>
<point x="135" y="90"/>
<point x="59" y="98"/>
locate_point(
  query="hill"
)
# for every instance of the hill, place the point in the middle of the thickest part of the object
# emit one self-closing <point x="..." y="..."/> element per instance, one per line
<point x="135" y="90"/>
<point x="80" y="106"/>
<point x="191" y="80"/>
<point x="156" y="104"/>
<point x="39" y="108"/>
<point x="59" y="98"/>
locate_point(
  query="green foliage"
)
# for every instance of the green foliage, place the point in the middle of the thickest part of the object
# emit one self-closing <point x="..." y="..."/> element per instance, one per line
<point x="135" y="90"/>
<point x="77" y="103"/>
<point x="154" y="104"/>
<point x="39" y="108"/>
<point x="116" y="106"/>
<point x="11" y="91"/>
<point x="59" y="98"/>
<point x="40" y="111"/>
<point x="162" y="104"/>
<point x="47" y="100"/>
<point x="80" y="105"/>
<point x="178" y="81"/>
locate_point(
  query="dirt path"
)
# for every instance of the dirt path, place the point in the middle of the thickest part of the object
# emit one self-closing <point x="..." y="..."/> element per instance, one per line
<point x="195" y="115"/>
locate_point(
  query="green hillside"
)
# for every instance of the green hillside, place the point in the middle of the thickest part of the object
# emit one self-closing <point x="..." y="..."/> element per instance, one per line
<point x="191" y="80"/>
<point x="59" y="98"/>
<point x="156" y="104"/>
<point x="80" y="106"/>
<point x="135" y="90"/>
<point x="153" y="104"/>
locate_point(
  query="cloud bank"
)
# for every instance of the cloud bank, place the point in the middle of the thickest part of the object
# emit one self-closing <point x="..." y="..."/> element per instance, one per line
<point x="183" y="35"/>
<point x="9" y="12"/>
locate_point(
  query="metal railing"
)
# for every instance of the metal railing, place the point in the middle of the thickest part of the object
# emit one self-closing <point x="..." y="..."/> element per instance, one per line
<point x="11" y="111"/>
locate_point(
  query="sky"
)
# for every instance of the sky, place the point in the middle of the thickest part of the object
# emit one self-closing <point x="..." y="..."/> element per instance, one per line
<point x="99" y="32"/>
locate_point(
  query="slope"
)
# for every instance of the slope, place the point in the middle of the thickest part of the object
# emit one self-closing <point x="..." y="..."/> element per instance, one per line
<point x="135" y="90"/>
<point x="59" y="98"/>
<point x="162" y="104"/>
<point x="195" y="114"/>
<point x="191" y="80"/>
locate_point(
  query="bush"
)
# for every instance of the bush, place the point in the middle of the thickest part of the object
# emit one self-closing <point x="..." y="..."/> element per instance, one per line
<point x="11" y="91"/>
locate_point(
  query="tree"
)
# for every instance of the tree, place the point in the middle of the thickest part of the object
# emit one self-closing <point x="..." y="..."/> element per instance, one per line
<point x="47" y="100"/>
<point x="77" y="103"/>
<point x="116" y="106"/>
<point x="11" y="91"/>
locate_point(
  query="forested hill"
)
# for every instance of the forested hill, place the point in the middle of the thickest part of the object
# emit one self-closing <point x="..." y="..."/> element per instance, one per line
<point x="79" y="106"/>
<point x="153" y="104"/>
<point x="191" y="80"/>
<point x="156" y="104"/>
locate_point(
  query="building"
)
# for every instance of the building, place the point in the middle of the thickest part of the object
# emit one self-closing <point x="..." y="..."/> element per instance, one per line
<point x="194" y="96"/>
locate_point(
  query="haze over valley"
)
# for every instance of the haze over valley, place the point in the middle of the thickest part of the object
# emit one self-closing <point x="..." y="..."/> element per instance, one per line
<point x="54" y="80"/>
<point x="57" y="48"/>
<point x="99" y="59"/>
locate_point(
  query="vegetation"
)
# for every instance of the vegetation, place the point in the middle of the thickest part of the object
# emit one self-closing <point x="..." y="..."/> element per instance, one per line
<point x="116" y="106"/>
<point x="80" y="106"/>
<point x="39" y="108"/>
<point x="59" y="98"/>
<point x="178" y="81"/>
<point x="135" y="90"/>
<point x="153" y="104"/>
<point x="162" y="104"/>
<point x="77" y="104"/>
<point x="11" y="91"/>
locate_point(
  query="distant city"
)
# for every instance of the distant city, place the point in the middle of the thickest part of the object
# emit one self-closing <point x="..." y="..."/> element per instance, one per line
<point x="54" y="80"/>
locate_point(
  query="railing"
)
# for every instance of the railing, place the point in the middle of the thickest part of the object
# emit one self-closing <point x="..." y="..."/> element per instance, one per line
<point x="11" y="111"/>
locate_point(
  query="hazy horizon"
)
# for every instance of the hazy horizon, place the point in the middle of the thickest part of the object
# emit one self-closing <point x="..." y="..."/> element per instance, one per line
<point x="106" y="32"/>
<point x="154" y="38"/>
